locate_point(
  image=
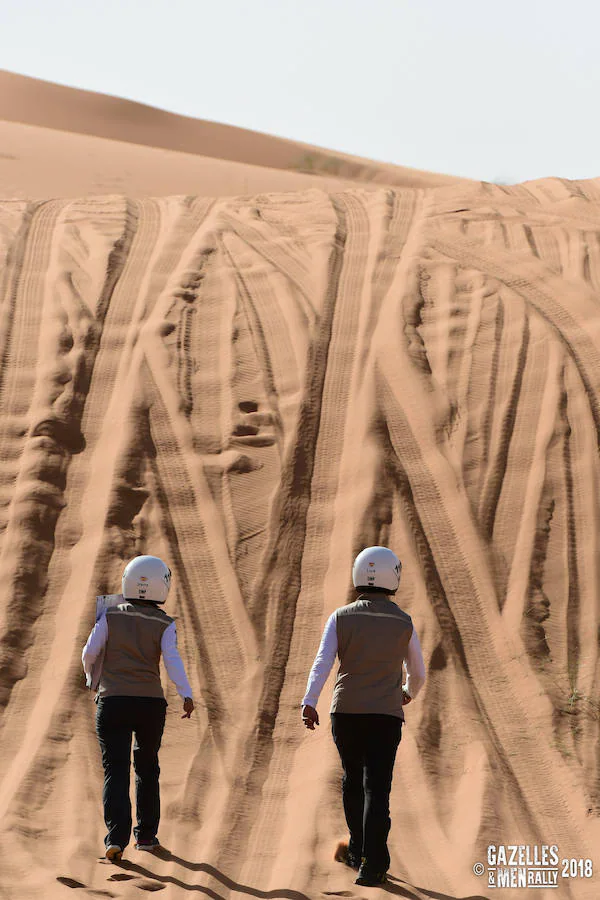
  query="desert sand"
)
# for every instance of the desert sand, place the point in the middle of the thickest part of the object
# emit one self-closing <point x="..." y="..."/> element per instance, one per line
<point x="59" y="141"/>
<point x="255" y="388"/>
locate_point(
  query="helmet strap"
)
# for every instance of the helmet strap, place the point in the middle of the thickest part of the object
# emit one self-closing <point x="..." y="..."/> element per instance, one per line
<point x="366" y="589"/>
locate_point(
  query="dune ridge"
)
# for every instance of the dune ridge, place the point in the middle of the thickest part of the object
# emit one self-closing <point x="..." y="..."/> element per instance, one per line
<point x="255" y="388"/>
<point x="42" y="164"/>
<point x="78" y="125"/>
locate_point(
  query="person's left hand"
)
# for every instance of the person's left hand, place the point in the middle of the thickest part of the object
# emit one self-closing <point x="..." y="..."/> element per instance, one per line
<point x="310" y="717"/>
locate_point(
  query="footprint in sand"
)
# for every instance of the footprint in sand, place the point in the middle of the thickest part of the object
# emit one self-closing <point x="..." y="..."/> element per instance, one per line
<point x="73" y="883"/>
<point x="342" y="894"/>
<point x="151" y="886"/>
<point x="144" y="885"/>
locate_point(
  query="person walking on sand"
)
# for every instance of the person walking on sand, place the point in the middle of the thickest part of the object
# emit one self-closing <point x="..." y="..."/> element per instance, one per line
<point x="373" y="638"/>
<point x="128" y="641"/>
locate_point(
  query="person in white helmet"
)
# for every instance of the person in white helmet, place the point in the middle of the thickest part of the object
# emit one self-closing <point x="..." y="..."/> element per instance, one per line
<point x="373" y="638"/>
<point x="129" y="640"/>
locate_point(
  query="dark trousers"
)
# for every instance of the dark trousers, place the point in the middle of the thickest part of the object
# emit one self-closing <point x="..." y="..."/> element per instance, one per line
<point x="367" y="746"/>
<point x="117" y="719"/>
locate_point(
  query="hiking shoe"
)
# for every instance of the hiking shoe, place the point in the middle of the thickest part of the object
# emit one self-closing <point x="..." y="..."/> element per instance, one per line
<point x="114" y="852"/>
<point x="345" y="855"/>
<point x="149" y="845"/>
<point x="370" y="878"/>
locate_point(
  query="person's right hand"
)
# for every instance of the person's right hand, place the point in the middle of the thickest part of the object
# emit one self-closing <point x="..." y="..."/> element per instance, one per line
<point x="188" y="708"/>
<point x="310" y="717"/>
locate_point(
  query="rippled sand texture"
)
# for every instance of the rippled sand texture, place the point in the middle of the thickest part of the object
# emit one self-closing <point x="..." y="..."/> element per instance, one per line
<point x="256" y="389"/>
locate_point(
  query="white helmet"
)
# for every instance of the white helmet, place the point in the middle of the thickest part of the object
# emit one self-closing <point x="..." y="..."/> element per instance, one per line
<point x="377" y="567"/>
<point x="146" y="578"/>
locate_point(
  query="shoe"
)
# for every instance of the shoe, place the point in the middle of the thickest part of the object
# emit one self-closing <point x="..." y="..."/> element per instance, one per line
<point x="369" y="878"/>
<point x="114" y="852"/>
<point x="344" y="855"/>
<point x="150" y="845"/>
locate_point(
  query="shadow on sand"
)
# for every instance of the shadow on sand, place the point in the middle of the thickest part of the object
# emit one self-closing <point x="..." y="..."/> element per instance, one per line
<point x="228" y="883"/>
<point x="402" y="888"/>
<point x="396" y="886"/>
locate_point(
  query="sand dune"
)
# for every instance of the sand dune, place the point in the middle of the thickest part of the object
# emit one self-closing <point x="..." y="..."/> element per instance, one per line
<point x="255" y="389"/>
<point x="79" y="142"/>
<point x="41" y="163"/>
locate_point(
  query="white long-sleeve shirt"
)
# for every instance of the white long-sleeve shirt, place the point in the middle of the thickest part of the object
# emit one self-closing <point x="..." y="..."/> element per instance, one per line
<point x="325" y="658"/>
<point x="168" y="645"/>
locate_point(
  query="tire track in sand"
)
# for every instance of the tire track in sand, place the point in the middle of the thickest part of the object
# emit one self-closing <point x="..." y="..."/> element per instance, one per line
<point x="71" y="331"/>
<point x="26" y="545"/>
<point x="493" y="667"/>
<point x="365" y="218"/>
<point x="281" y="581"/>
<point x="14" y="229"/>
<point x="570" y="309"/>
<point x="488" y="678"/>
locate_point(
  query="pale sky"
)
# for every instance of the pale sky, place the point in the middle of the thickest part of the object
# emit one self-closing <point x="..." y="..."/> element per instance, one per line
<point x="504" y="90"/>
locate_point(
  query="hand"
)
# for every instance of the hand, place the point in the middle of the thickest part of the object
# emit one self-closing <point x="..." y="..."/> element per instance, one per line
<point x="310" y="717"/>
<point x="188" y="708"/>
<point x="406" y="698"/>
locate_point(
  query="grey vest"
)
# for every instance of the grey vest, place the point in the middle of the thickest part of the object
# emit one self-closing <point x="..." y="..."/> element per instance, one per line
<point x="373" y="635"/>
<point x="132" y="653"/>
